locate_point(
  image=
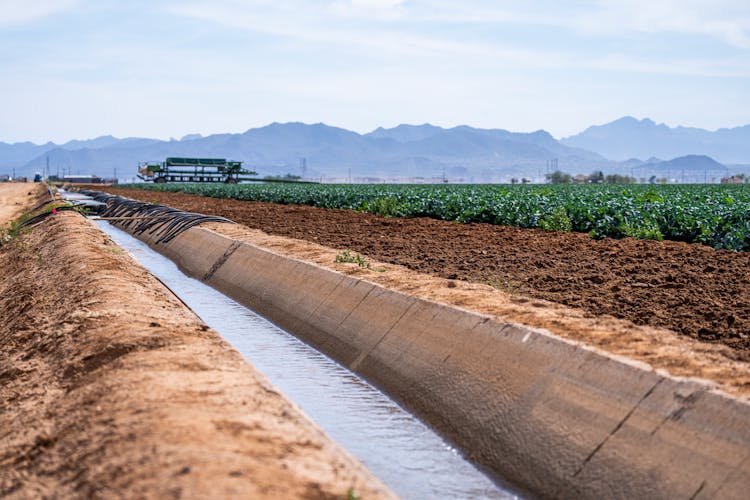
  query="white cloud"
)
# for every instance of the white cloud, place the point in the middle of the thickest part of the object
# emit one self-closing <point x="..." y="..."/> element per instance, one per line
<point x="301" y="22"/>
<point x="726" y="20"/>
<point x="373" y="9"/>
<point x="14" y="12"/>
<point x="391" y="41"/>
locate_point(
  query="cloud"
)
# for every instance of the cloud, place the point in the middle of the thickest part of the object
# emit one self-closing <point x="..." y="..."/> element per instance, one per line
<point x="17" y="12"/>
<point x="299" y="21"/>
<point x="725" y="20"/>
<point x="396" y="32"/>
<point x="373" y="9"/>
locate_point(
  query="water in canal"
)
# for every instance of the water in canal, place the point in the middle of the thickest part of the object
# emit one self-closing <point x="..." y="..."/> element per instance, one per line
<point x="404" y="453"/>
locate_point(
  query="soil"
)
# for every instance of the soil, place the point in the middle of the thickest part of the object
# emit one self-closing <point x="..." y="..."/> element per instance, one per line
<point x="110" y="387"/>
<point x="14" y="198"/>
<point x="690" y="289"/>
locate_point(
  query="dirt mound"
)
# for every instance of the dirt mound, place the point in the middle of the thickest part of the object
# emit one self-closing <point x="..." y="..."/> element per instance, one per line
<point x="690" y="289"/>
<point x="110" y="387"/>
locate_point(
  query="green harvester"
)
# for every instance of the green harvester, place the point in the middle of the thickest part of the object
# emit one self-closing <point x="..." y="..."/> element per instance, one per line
<point x="194" y="170"/>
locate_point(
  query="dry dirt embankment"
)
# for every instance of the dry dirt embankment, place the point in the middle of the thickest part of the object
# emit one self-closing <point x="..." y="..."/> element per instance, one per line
<point x="109" y="386"/>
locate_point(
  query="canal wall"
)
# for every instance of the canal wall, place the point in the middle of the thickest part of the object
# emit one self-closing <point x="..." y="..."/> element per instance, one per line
<point x="550" y="415"/>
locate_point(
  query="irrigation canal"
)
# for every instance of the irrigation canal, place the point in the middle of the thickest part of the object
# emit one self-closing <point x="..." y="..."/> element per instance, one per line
<point x="404" y="453"/>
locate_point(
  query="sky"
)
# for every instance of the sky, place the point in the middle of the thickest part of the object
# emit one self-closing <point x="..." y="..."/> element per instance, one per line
<point x="77" y="69"/>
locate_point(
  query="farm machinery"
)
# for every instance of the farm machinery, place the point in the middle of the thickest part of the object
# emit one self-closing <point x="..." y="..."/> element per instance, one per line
<point x="194" y="170"/>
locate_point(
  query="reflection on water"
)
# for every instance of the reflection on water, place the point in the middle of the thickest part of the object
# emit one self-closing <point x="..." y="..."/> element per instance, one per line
<point x="405" y="454"/>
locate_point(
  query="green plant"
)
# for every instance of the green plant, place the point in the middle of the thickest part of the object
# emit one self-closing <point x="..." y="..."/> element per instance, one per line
<point x="558" y="220"/>
<point x="115" y="250"/>
<point x="648" y="231"/>
<point x="13" y="230"/>
<point x="353" y="258"/>
<point x="352" y="494"/>
<point x="715" y="215"/>
<point x="386" y="206"/>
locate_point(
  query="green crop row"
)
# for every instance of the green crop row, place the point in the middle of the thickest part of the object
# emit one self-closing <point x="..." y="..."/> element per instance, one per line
<point x="715" y="215"/>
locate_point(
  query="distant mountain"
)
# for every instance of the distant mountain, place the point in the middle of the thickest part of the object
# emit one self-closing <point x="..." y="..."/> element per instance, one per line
<point x="691" y="162"/>
<point x="98" y="142"/>
<point x="406" y="133"/>
<point x="685" y="169"/>
<point x="629" y="137"/>
<point x="406" y="151"/>
<point x="18" y="154"/>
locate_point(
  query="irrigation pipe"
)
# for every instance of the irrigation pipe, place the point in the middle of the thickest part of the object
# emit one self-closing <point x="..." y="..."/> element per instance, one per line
<point x="139" y="217"/>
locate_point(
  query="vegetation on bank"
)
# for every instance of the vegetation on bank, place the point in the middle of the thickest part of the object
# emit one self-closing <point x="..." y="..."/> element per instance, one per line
<point x="715" y="215"/>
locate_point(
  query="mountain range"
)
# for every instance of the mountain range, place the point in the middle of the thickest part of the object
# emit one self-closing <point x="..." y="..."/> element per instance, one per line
<point x="629" y="137"/>
<point x="460" y="153"/>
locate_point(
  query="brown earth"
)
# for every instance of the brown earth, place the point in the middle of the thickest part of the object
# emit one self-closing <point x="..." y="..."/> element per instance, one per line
<point x="110" y="387"/>
<point x="14" y="198"/>
<point x="690" y="289"/>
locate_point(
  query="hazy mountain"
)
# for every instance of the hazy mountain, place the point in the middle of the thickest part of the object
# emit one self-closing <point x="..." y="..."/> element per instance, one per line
<point x="686" y="169"/>
<point x="406" y="133"/>
<point x="20" y="153"/>
<point x="472" y="154"/>
<point x="691" y="162"/>
<point x="629" y="137"/>
<point x="17" y="154"/>
<point x="98" y="142"/>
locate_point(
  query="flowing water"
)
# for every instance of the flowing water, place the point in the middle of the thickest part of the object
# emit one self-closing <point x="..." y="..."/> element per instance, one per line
<point x="404" y="453"/>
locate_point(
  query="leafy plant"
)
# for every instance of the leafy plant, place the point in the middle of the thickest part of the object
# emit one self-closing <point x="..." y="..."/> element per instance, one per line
<point x="558" y="220"/>
<point x="648" y="231"/>
<point x="352" y="494"/>
<point x="386" y="206"/>
<point x="353" y="258"/>
<point x="715" y="215"/>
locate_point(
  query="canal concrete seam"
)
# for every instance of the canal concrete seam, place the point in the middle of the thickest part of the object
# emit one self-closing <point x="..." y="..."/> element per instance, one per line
<point x="528" y="405"/>
<point x="355" y="364"/>
<point x="220" y="262"/>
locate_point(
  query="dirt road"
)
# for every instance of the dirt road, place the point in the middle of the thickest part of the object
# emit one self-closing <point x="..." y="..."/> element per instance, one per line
<point x="109" y="387"/>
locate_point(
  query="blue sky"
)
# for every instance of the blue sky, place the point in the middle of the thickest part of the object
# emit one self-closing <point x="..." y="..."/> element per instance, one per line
<point x="163" y="68"/>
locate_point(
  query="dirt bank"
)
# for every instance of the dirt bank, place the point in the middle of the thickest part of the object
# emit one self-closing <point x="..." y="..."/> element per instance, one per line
<point x="15" y="197"/>
<point x="690" y="289"/>
<point x="109" y="386"/>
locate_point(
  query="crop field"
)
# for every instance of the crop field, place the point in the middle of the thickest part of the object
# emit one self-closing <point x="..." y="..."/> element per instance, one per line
<point x="715" y="215"/>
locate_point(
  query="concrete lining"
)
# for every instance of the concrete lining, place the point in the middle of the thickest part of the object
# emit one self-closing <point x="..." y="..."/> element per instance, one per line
<point x="549" y="415"/>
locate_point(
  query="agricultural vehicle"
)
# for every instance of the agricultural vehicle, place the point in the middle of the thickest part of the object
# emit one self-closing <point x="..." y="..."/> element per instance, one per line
<point x="194" y="170"/>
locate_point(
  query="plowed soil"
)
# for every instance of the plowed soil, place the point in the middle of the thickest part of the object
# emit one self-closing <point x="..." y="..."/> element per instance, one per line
<point x="690" y="289"/>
